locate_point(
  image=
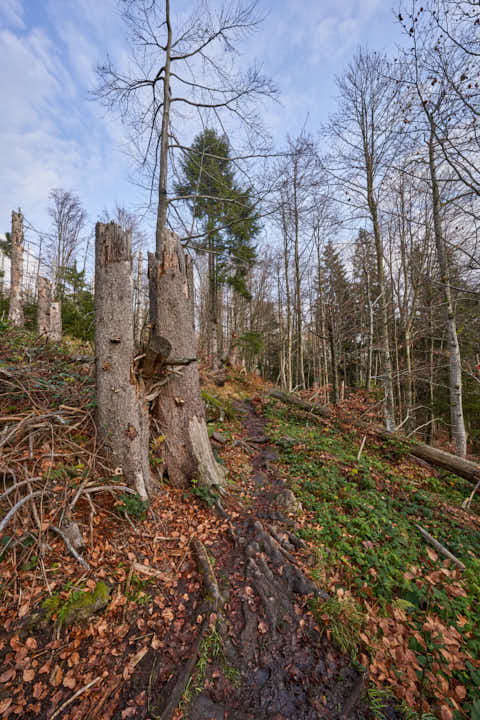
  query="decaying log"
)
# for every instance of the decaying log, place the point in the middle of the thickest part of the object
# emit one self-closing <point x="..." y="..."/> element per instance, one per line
<point x="179" y="406"/>
<point x="122" y="416"/>
<point x="453" y="463"/>
<point x="300" y="404"/>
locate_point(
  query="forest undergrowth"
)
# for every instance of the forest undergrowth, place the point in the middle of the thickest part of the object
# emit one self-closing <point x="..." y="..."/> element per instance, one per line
<point x="402" y="611"/>
<point x="405" y="617"/>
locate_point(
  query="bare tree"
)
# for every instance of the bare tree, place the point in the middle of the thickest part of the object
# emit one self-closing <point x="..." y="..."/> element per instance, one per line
<point x="429" y="104"/>
<point x="365" y="133"/>
<point x="68" y="220"/>
<point x="178" y="67"/>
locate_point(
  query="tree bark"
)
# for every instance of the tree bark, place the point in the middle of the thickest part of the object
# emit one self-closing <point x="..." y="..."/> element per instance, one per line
<point x="298" y="289"/>
<point x="454" y="358"/>
<point x="288" y="303"/>
<point x="43" y="306"/>
<point x="162" y="183"/>
<point x="55" y="329"/>
<point x="15" y="312"/>
<point x="180" y="409"/>
<point x="139" y="304"/>
<point x="122" y="415"/>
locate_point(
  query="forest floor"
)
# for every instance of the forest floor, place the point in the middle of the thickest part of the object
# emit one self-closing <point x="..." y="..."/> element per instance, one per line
<point x="333" y="605"/>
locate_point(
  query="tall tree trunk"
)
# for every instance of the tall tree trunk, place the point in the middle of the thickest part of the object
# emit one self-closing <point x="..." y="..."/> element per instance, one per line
<point x="288" y="303"/>
<point x="15" y="312"/>
<point x="371" y="326"/>
<point x="281" y="340"/>
<point x="139" y="303"/>
<point x="179" y="408"/>
<point x="162" y="182"/>
<point x="389" y="403"/>
<point x="122" y="414"/>
<point x="410" y="424"/>
<point x="298" y="304"/>
<point x="333" y="352"/>
<point x="212" y="303"/>
<point x="454" y="359"/>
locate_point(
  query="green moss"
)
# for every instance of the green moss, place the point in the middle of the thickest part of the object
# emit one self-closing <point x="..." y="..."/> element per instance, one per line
<point x="82" y="605"/>
<point x="51" y="605"/>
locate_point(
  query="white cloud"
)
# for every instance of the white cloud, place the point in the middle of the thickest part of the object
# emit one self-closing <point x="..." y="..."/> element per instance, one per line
<point x="11" y="14"/>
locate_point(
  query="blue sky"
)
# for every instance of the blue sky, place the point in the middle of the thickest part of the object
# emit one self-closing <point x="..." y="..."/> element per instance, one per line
<point x="53" y="135"/>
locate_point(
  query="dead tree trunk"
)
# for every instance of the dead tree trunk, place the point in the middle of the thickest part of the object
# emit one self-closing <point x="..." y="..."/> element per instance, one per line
<point x="15" y="313"/>
<point x="55" y="331"/>
<point x="122" y="414"/>
<point x="139" y="303"/>
<point x="180" y="409"/>
<point x="43" y="306"/>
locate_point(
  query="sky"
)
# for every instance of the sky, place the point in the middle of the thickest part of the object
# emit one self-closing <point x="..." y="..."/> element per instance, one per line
<point x="52" y="134"/>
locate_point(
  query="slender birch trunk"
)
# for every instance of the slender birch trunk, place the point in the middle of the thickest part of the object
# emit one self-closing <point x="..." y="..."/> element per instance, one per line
<point x="454" y="358"/>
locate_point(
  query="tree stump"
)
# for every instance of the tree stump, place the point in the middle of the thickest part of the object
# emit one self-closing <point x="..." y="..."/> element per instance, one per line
<point x="43" y="306"/>
<point x="179" y="407"/>
<point x="122" y="414"/>
<point x="15" y="312"/>
<point x="55" y="328"/>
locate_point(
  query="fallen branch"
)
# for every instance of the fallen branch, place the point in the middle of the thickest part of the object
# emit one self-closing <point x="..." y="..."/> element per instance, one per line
<point x="205" y="566"/>
<point x="16" y="486"/>
<point x="361" y="448"/>
<point x="441" y="549"/>
<point x="466" y="503"/>
<point x="74" y="697"/>
<point x="214" y="601"/>
<point x="18" y="505"/>
<point x="150" y="572"/>
<point x="70" y="547"/>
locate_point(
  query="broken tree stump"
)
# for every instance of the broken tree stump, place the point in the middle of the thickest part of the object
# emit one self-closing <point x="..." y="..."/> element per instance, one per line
<point x="55" y="329"/>
<point x="43" y="306"/>
<point x="15" y="312"/>
<point x="179" y="406"/>
<point x="122" y="414"/>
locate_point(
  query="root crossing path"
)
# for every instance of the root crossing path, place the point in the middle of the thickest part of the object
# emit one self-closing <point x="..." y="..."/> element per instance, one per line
<point x="261" y="655"/>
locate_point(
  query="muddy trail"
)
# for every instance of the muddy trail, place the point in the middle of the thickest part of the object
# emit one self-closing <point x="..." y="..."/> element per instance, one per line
<point x="259" y="653"/>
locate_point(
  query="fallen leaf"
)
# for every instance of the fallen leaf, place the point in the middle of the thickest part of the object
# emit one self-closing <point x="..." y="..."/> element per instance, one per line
<point x="7" y="675"/>
<point x="446" y="713"/>
<point x="69" y="682"/>
<point x="5" y="704"/>
<point x="28" y="675"/>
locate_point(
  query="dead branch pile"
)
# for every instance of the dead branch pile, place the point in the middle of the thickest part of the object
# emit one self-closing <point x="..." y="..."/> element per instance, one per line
<point x="49" y="456"/>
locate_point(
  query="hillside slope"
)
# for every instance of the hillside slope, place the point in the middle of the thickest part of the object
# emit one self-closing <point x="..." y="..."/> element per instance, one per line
<point x="332" y="604"/>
